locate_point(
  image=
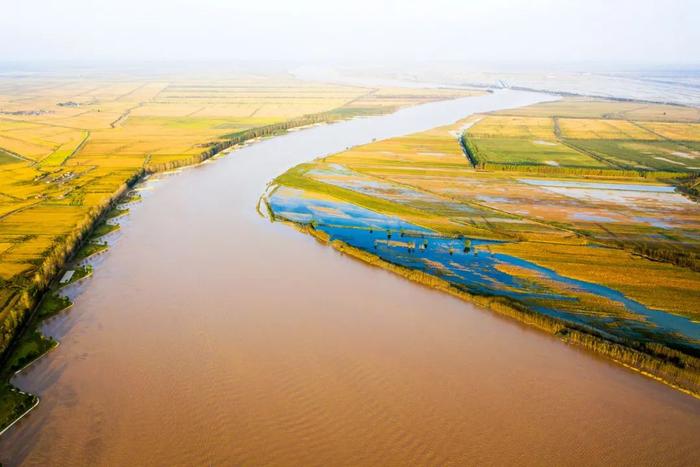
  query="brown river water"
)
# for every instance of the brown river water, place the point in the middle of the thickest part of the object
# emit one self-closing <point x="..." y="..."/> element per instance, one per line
<point x="209" y="336"/>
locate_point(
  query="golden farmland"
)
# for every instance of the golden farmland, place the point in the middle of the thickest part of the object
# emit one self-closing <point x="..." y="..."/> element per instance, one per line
<point x="588" y="128"/>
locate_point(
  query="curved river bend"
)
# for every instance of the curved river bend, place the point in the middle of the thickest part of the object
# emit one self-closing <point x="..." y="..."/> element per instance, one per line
<point x="208" y="336"/>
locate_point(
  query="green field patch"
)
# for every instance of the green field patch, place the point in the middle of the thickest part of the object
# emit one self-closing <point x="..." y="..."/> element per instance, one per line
<point x="52" y="305"/>
<point x="116" y="212"/>
<point x="30" y="346"/>
<point x="13" y="404"/>
<point x="90" y="249"/>
<point x="64" y="151"/>
<point x="530" y="152"/>
<point x="650" y="155"/>
<point x="79" y="273"/>
<point x="103" y="229"/>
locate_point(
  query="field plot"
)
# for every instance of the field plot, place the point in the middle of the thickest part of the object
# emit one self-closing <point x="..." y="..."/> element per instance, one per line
<point x="613" y="252"/>
<point x="581" y="134"/>
<point x="523" y="141"/>
<point x="587" y="128"/>
<point x="675" y="131"/>
<point x="644" y="155"/>
<point x="585" y="107"/>
<point x="35" y="141"/>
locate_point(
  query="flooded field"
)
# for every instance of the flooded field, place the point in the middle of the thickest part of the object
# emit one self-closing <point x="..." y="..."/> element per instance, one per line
<point x="209" y="336"/>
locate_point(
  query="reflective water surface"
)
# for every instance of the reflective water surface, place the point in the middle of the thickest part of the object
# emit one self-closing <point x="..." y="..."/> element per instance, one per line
<point x="208" y="336"/>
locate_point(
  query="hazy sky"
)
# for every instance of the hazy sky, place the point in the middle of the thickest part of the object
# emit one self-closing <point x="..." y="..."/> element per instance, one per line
<point x="631" y="31"/>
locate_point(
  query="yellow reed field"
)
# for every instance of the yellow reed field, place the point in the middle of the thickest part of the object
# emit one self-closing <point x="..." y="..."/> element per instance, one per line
<point x="514" y="127"/>
<point x="585" y="304"/>
<point x="195" y="109"/>
<point x="65" y="150"/>
<point x="142" y="93"/>
<point x="575" y="107"/>
<point x="27" y="149"/>
<point x="94" y="117"/>
<point x="27" y="191"/>
<point x="590" y="134"/>
<point x="399" y="97"/>
<point x="586" y="107"/>
<point x="415" y="150"/>
<point x="285" y="99"/>
<point x="47" y="135"/>
<point x="586" y="128"/>
<point x="655" y="284"/>
<point x="8" y="207"/>
<point x="37" y="141"/>
<point x="9" y="270"/>
<point x="156" y="161"/>
<point x="115" y="160"/>
<point x="106" y="179"/>
<point x="15" y="174"/>
<point x="95" y="199"/>
<point x="675" y="131"/>
<point x="661" y="113"/>
<point x="435" y="148"/>
<point x="29" y="249"/>
<point x="44" y="219"/>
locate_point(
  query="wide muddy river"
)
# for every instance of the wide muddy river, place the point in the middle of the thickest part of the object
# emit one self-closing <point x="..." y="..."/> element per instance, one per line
<point x="209" y="336"/>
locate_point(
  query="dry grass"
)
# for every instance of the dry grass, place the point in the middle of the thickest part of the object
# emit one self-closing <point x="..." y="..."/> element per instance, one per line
<point x="586" y="107"/>
<point x="531" y="128"/>
<point x="675" y="131"/>
<point x="587" y="128"/>
<point x="657" y="285"/>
